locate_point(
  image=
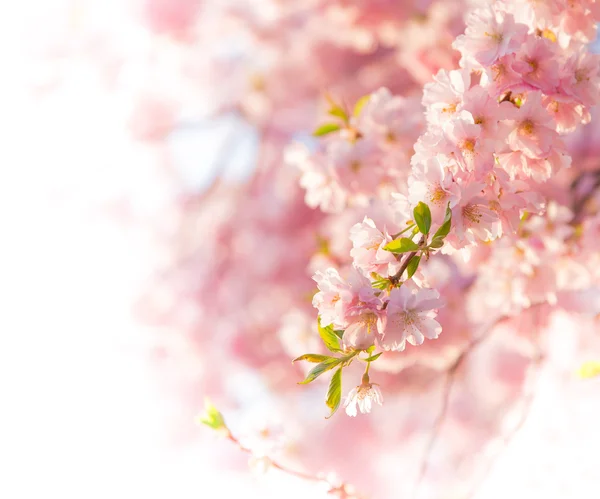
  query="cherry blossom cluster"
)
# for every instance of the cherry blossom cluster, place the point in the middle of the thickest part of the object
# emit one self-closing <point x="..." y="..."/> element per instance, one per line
<point x="493" y="134"/>
<point x="362" y="152"/>
<point x="513" y="278"/>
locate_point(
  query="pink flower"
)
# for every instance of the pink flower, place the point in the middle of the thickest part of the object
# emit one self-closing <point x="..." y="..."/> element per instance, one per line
<point x="567" y="114"/>
<point x="367" y="248"/>
<point x="443" y="96"/>
<point x="432" y="183"/>
<point x="512" y="196"/>
<point x="533" y="132"/>
<point x="409" y="317"/>
<point x="489" y="35"/>
<point x="472" y="219"/>
<point x="575" y="19"/>
<point x="356" y="166"/>
<point x="361" y="329"/>
<point x="486" y="110"/>
<point x="349" y="304"/>
<point x="429" y="145"/>
<point x="334" y="295"/>
<point x="393" y="120"/>
<point x="537" y="63"/>
<point x="500" y="77"/>
<point x="322" y="190"/>
<point x="581" y="79"/>
<point x="541" y="169"/>
<point x="364" y="395"/>
<point x="471" y="151"/>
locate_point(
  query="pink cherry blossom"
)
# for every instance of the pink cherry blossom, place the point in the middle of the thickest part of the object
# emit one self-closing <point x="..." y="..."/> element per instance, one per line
<point x="472" y="218"/>
<point x="533" y="132"/>
<point x="536" y="62"/>
<point x="409" y="317"/>
<point x="469" y="148"/>
<point x="367" y="249"/>
<point x="443" y="96"/>
<point x="490" y="34"/>
<point x="486" y="111"/>
<point x="361" y="331"/>
<point x="581" y="79"/>
<point x="334" y="295"/>
<point x="433" y="183"/>
<point x="500" y="77"/>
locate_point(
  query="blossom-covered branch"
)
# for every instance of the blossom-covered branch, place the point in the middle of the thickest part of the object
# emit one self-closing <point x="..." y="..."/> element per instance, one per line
<point x="494" y="134"/>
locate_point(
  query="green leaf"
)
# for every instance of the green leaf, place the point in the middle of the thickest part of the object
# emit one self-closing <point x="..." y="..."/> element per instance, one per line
<point x="334" y="393"/>
<point x="381" y="284"/>
<point x="312" y="357"/>
<point x="412" y="267"/>
<point x="211" y="416"/>
<point x="402" y="245"/>
<point x="321" y="368"/>
<point x="436" y="243"/>
<point x="329" y="337"/>
<point x="339" y="112"/>
<point x="422" y="215"/>
<point x="444" y="229"/>
<point x="373" y="357"/>
<point x="360" y="103"/>
<point x="325" y="129"/>
<point x="339" y="333"/>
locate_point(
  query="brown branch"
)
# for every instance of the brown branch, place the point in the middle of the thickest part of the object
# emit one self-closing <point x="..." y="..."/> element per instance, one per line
<point x="437" y="425"/>
<point x="343" y="491"/>
<point x="579" y="204"/>
<point x="396" y="277"/>
<point x="450" y="377"/>
<point x="509" y="437"/>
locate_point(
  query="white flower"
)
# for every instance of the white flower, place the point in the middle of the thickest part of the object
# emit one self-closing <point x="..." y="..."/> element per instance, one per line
<point x="364" y="395"/>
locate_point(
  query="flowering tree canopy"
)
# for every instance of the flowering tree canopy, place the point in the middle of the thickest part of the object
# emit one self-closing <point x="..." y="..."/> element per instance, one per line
<point x="412" y="244"/>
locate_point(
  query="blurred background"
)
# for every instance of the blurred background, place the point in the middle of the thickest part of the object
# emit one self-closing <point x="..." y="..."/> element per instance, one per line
<point x="157" y="249"/>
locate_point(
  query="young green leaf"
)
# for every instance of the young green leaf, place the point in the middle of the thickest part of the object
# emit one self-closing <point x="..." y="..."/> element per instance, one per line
<point x="325" y="129"/>
<point x="339" y="333"/>
<point x="321" y="368"/>
<point x="312" y="357"/>
<point x="329" y="337"/>
<point x="412" y="267"/>
<point x="381" y="284"/>
<point x="360" y="103"/>
<point x="373" y="357"/>
<point x="444" y="229"/>
<point x="211" y="416"/>
<point x="402" y="245"/>
<point x="422" y="215"/>
<point x="334" y="393"/>
<point x="338" y="112"/>
<point x="436" y="243"/>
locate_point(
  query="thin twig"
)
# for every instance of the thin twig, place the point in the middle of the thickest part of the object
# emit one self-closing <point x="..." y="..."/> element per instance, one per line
<point x="343" y="491"/>
<point x="398" y="275"/>
<point x="509" y="437"/>
<point x="450" y="377"/>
